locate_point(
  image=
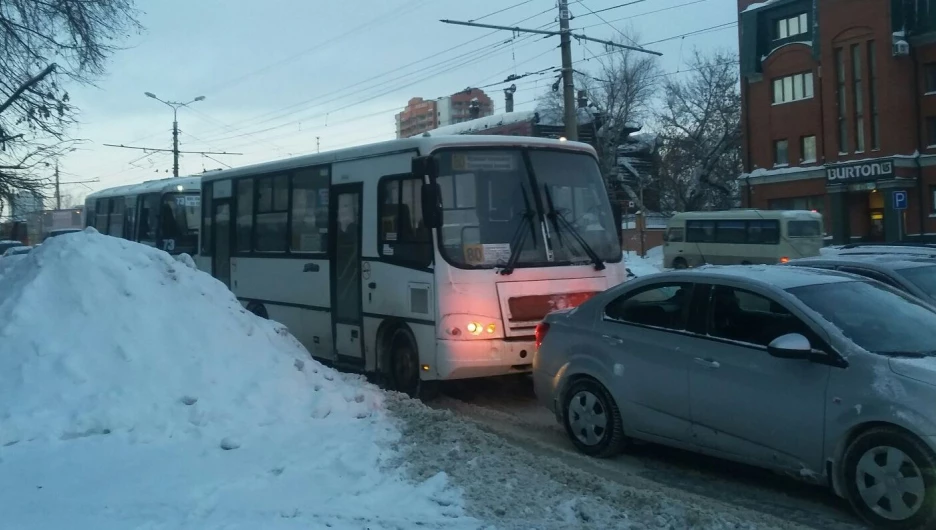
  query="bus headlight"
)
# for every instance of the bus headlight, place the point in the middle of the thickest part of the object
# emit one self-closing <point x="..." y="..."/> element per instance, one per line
<point x="469" y="327"/>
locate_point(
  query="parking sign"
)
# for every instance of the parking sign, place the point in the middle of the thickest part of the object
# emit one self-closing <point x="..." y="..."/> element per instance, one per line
<point x="900" y="200"/>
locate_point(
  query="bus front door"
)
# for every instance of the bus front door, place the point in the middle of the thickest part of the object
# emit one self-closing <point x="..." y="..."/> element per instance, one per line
<point x="221" y="257"/>
<point x="346" y="212"/>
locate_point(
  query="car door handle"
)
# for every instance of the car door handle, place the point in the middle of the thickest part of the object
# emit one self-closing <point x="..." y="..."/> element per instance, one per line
<point x="311" y="267"/>
<point x="708" y="363"/>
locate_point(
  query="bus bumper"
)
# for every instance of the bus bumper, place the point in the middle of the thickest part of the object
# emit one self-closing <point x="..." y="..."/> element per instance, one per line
<point x="465" y="359"/>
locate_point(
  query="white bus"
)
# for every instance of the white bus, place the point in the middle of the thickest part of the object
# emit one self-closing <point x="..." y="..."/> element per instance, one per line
<point x="741" y="237"/>
<point x="415" y="260"/>
<point x="165" y="213"/>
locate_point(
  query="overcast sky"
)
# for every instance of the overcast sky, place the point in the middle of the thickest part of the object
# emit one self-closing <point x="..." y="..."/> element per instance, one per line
<point x="277" y="74"/>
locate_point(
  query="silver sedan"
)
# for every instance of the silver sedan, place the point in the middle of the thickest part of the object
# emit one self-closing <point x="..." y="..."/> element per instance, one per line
<point x="826" y="376"/>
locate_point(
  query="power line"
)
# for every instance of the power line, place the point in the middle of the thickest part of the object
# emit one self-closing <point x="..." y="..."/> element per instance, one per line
<point x="282" y="111"/>
<point x="383" y="18"/>
<point x="608" y="8"/>
<point x="502" y="10"/>
<point x="582" y="3"/>
<point x="697" y="32"/>
<point x="644" y="14"/>
<point x="383" y="92"/>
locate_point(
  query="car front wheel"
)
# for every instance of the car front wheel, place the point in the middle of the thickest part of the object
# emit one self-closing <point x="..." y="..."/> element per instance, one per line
<point x="592" y="419"/>
<point x="890" y="477"/>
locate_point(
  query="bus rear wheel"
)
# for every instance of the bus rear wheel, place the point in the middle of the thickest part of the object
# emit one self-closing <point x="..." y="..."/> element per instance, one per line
<point x="680" y="263"/>
<point x="258" y="309"/>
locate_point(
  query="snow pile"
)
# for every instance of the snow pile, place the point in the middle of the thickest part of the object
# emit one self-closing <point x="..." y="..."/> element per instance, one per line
<point x="650" y="264"/>
<point x="135" y="391"/>
<point x="99" y="335"/>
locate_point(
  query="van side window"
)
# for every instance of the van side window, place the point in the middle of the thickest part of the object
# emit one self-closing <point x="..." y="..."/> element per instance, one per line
<point x="764" y="232"/>
<point x="675" y="235"/>
<point x="700" y="231"/>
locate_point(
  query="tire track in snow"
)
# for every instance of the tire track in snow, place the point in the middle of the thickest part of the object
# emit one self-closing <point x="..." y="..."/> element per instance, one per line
<point x="507" y="408"/>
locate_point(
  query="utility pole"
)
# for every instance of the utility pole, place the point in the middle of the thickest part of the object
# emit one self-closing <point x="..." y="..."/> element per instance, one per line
<point x="565" y="43"/>
<point x="175" y="142"/>
<point x="175" y="126"/>
<point x="568" y="84"/>
<point x="58" y="188"/>
<point x="509" y="98"/>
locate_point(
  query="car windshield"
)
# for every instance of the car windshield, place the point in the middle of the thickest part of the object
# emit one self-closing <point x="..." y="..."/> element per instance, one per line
<point x="873" y="316"/>
<point x="489" y="204"/>
<point x="923" y="277"/>
<point x="180" y="216"/>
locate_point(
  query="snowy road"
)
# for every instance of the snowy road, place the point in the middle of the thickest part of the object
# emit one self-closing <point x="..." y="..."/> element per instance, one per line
<point x="508" y="408"/>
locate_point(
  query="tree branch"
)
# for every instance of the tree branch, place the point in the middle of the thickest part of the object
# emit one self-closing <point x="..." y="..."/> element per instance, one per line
<point x="22" y="88"/>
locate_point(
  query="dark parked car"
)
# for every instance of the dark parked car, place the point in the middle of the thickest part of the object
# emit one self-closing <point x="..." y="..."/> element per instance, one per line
<point x="912" y="273"/>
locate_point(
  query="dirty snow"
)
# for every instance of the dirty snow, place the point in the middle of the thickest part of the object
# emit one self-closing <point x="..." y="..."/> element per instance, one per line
<point x="522" y="490"/>
<point x="136" y="392"/>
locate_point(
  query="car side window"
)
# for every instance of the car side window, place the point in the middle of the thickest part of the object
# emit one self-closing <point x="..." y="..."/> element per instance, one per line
<point x="867" y="273"/>
<point x="664" y="305"/>
<point x="740" y="315"/>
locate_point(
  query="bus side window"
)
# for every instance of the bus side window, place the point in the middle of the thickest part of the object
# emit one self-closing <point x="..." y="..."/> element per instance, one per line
<point x="310" y="210"/>
<point x="101" y="215"/>
<point x="400" y="224"/>
<point x="764" y="232"/>
<point x="149" y="209"/>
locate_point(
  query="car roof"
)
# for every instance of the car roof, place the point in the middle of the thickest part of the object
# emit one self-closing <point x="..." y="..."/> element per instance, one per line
<point x="764" y="275"/>
<point x="874" y="261"/>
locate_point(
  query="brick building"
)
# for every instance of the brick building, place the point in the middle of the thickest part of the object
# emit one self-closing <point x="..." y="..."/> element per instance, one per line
<point x="839" y="113"/>
<point x="421" y="115"/>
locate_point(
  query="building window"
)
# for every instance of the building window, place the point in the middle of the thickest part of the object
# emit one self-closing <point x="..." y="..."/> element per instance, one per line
<point x="781" y="157"/>
<point x="272" y="206"/>
<point x="858" y="98"/>
<point x="402" y="234"/>
<point x="812" y="202"/>
<point x="930" y="132"/>
<point x="872" y="97"/>
<point x="793" y="88"/>
<point x="790" y="27"/>
<point x="929" y="77"/>
<point x="842" y="130"/>
<point x="808" y="148"/>
<point x="310" y="210"/>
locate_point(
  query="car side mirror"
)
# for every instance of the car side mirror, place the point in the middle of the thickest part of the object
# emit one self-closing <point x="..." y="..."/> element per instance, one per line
<point x="790" y="346"/>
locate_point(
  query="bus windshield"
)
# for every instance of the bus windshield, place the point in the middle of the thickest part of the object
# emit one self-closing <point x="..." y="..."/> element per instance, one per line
<point x="179" y="218"/>
<point x="493" y="204"/>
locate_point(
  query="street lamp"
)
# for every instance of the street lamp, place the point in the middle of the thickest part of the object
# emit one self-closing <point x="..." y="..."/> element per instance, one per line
<point x="175" y="126"/>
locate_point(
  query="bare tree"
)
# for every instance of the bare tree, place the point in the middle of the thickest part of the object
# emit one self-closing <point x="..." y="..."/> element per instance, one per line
<point x="620" y="88"/>
<point x="700" y="130"/>
<point x="46" y="45"/>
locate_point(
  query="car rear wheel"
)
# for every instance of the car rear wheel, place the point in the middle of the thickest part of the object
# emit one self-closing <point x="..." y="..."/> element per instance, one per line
<point x="592" y="419"/>
<point x="890" y="479"/>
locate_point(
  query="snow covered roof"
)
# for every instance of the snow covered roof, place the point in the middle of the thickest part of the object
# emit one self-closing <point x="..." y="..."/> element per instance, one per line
<point x="759" y="5"/>
<point x="481" y="124"/>
<point x="181" y="184"/>
<point x="767" y="275"/>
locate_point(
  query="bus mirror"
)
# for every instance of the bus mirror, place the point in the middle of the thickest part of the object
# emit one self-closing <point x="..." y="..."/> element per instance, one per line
<point x="425" y="166"/>
<point x="432" y="205"/>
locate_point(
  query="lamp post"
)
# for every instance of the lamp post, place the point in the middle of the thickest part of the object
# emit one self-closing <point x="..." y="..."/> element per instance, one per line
<point x="175" y="127"/>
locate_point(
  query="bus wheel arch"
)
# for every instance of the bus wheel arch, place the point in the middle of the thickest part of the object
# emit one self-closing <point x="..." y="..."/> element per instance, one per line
<point x="398" y="357"/>
<point x="258" y="309"/>
<point x="680" y="263"/>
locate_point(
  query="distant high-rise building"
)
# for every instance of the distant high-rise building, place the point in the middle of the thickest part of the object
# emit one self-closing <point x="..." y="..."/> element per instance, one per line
<point x="25" y="203"/>
<point x="422" y="115"/>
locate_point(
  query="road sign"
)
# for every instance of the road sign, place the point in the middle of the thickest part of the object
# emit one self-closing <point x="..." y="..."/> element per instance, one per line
<point x="900" y="200"/>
